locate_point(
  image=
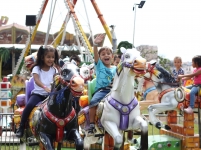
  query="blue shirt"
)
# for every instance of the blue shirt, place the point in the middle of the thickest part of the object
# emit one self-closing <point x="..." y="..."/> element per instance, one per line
<point x="176" y="73"/>
<point x="104" y="75"/>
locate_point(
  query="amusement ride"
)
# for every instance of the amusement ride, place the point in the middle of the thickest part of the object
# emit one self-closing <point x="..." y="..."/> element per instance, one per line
<point x="126" y="108"/>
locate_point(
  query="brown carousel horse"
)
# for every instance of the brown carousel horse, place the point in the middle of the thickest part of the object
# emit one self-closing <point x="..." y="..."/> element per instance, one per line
<point x="55" y="120"/>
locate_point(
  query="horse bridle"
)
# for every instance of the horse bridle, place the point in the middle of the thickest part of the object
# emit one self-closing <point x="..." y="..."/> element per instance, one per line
<point x="68" y="85"/>
<point x="151" y="71"/>
<point x="128" y="65"/>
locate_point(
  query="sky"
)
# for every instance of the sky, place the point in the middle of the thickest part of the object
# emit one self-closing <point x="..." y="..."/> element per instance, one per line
<point x="174" y="26"/>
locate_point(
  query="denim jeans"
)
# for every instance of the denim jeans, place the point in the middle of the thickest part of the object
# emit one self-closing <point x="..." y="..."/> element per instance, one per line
<point x="194" y="90"/>
<point x="97" y="97"/>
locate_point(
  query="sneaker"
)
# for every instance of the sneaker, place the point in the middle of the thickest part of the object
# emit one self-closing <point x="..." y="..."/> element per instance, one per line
<point x="188" y="110"/>
<point x="20" y="132"/>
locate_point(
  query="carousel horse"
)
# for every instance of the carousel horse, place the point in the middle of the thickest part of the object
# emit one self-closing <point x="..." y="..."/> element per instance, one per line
<point x="170" y="94"/>
<point x="86" y="72"/>
<point x="149" y="93"/>
<point x="119" y="110"/>
<point x="55" y="120"/>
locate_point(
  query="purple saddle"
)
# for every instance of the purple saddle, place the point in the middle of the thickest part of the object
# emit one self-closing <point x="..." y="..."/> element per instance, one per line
<point x="29" y="86"/>
<point x="22" y="99"/>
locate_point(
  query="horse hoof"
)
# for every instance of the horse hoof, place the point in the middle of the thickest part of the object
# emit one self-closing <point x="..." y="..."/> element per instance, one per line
<point x="158" y="125"/>
<point x="132" y="141"/>
<point x="150" y="124"/>
<point x="167" y="127"/>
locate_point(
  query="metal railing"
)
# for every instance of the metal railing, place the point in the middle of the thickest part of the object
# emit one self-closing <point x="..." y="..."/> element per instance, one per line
<point x="9" y="141"/>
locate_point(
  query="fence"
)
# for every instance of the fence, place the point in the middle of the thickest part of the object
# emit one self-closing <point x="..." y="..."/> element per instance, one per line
<point x="8" y="140"/>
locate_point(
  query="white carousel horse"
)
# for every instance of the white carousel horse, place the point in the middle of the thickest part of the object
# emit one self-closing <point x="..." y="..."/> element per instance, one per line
<point x="86" y="72"/>
<point x="168" y="91"/>
<point x="121" y="109"/>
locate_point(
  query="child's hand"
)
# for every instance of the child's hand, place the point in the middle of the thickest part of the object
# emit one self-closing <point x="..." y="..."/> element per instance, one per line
<point x="99" y="38"/>
<point x="47" y="89"/>
<point x="180" y="76"/>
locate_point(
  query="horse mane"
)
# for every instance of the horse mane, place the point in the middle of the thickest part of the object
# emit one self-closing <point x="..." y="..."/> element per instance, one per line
<point x="166" y="75"/>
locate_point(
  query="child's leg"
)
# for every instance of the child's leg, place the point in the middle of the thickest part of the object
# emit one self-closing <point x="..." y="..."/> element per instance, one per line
<point x="33" y="101"/>
<point x="98" y="96"/>
<point x="194" y="90"/>
<point x="92" y="113"/>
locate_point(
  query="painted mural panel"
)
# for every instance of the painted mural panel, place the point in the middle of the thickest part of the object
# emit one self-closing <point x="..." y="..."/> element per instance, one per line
<point x="5" y="36"/>
<point x="13" y="34"/>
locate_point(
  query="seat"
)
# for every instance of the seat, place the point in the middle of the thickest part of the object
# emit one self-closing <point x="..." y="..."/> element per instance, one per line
<point x="91" y="88"/>
<point x="85" y="99"/>
<point x="29" y="86"/>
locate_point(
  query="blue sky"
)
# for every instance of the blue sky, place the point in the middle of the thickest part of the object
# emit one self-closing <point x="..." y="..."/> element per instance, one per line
<point x="172" y="25"/>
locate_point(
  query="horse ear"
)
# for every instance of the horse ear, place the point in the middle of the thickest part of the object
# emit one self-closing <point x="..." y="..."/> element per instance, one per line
<point x="84" y="64"/>
<point x="123" y="50"/>
<point x="153" y="62"/>
<point x="73" y="62"/>
<point x="91" y="65"/>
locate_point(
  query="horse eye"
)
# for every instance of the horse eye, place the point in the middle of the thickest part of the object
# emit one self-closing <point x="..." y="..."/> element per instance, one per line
<point x="127" y="56"/>
<point x="65" y="72"/>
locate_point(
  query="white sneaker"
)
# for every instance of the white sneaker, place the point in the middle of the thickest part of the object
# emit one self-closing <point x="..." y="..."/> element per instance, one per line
<point x="188" y="110"/>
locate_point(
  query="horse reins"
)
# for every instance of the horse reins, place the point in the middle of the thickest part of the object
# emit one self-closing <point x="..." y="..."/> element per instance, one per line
<point x="67" y="85"/>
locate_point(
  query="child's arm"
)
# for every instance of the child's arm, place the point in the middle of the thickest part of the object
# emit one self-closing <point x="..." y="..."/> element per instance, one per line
<point x="99" y="38"/>
<point x="96" y="53"/>
<point x="39" y="83"/>
<point x="188" y="76"/>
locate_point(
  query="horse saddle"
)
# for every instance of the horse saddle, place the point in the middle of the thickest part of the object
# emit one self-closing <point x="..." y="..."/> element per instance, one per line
<point x="187" y="99"/>
<point x="18" y="112"/>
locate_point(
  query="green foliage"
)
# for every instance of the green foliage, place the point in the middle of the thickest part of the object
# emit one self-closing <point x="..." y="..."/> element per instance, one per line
<point x="164" y="62"/>
<point x="4" y="54"/>
<point x="124" y="44"/>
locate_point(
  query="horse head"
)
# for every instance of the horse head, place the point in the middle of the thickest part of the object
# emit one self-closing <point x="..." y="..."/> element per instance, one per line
<point x="66" y="87"/>
<point x="131" y="63"/>
<point x="132" y="60"/>
<point x="159" y="75"/>
<point x="86" y="72"/>
<point x="70" y="77"/>
<point x="152" y="74"/>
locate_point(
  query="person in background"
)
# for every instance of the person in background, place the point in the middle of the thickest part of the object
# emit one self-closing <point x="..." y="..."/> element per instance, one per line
<point x="42" y="72"/>
<point x="178" y="67"/>
<point x="117" y="59"/>
<point x="196" y="75"/>
<point x="104" y="74"/>
<point x="75" y="58"/>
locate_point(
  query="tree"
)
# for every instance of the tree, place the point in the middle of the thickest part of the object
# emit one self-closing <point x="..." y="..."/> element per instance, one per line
<point x="124" y="44"/>
<point x="4" y="56"/>
<point x="165" y="63"/>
